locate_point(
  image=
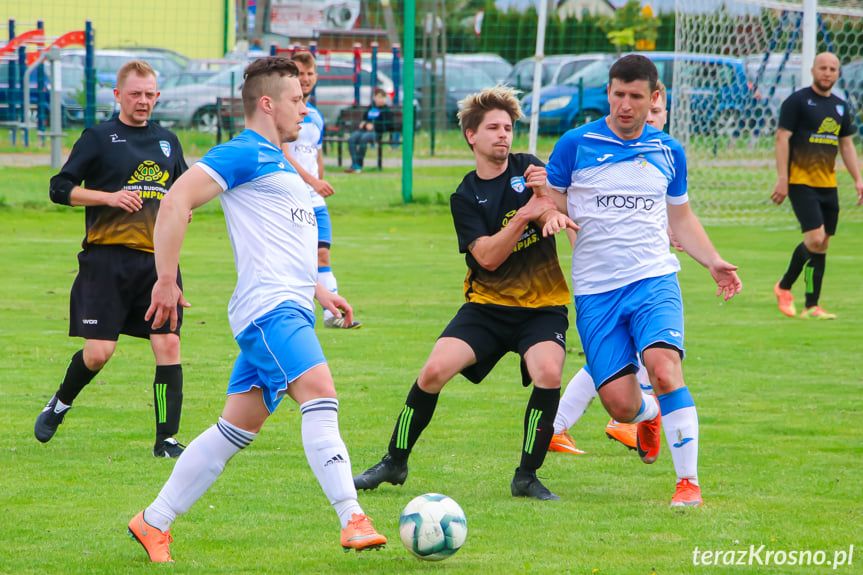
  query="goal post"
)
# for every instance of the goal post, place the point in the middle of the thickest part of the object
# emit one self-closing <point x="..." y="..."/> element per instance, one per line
<point x="744" y="58"/>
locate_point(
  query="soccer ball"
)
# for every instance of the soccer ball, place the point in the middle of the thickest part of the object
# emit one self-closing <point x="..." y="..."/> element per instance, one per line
<point x="432" y="527"/>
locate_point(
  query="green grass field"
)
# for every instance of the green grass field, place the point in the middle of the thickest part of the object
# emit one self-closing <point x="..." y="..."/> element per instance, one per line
<point x="780" y="404"/>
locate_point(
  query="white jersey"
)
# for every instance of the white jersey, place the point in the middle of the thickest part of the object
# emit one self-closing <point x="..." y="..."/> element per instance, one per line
<point x="617" y="192"/>
<point x="305" y="149"/>
<point x="271" y="224"/>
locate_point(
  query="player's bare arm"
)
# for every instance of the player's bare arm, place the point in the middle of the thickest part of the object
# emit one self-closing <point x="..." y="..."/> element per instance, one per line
<point x="491" y="251"/>
<point x="691" y="236"/>
<point x="323" y="188"/>
<point x="849" y="157"/>
<point x="783" y="154"/>
<point x="191" y="190"/>
<point x="128" y="200"/>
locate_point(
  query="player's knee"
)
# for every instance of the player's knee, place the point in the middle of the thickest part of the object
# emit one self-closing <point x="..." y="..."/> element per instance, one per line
<point x="623" y="412"/>
<point x="96" y="356"/>
<point x="166" y="348"/>
<point x="547" y="376"/>
<point x="433" y="377"/>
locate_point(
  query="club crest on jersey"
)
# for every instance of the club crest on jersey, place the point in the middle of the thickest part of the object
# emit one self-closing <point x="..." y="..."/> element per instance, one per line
<point x="517" y="184"/>
<point x="166" y="147"/>
<point x="840" y="109"/>
<point x="640" y="162"/>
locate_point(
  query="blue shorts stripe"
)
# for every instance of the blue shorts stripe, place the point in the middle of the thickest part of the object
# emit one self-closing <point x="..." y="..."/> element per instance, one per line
<point x="677" y="399"/>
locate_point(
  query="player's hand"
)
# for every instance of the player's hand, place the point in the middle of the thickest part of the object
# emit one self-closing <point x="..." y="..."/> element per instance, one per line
<point x="535" y="178"/>
<point x="859" y="186"/>
<point x="725" y="276"/>
<point x="335" y="304"/>
<point x="125" y="200"/>
<point x="555" y="222"/>
<point x="323" y="188"/>
<point x="780" y="192"/>
<point x="163" y="304"/>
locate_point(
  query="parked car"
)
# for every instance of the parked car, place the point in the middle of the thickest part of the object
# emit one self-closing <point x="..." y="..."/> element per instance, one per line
<point x="461" y="80"/>
<point x="772" y="78"/>
<point x="492" y="64"/>
<point x="580" y="99"/>
<point x="108" y="62"/>
<point x="715" y="93"/>
<point x="195" y="105"/>
<point x="72" y="96"/>
<point x="555" y="70"/>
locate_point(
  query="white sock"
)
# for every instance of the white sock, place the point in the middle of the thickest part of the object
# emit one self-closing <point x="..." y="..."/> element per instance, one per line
<point x="649" y="408"/>
<point x="60" y="407"/>
<point x="327" y="278"/>
<point x="576" y="398"/>
<point x="680" y="421"/>
<point x="195" y="471"/>
<point x="328" y="455"/>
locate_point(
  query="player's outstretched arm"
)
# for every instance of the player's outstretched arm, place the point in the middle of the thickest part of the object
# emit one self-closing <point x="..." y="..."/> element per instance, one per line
<point x="691" y="236"/>
<point x="191" y="190"/>
<point x="323" y="188"/>
<point x="335" y="304"/>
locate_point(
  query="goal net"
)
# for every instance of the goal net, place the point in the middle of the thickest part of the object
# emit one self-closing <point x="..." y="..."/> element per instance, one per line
<point x="746" y="59"/>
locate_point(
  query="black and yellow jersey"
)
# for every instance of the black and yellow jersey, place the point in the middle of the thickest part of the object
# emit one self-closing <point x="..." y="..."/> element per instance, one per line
<point x="113" y="156"/>
<point x="816" y="123"/>
<point x="531" y="276"/>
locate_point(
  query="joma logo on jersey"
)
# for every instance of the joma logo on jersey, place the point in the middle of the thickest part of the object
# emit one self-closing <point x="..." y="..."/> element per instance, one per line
<point x="625" y="203"/>
<point x="301" y="216"/>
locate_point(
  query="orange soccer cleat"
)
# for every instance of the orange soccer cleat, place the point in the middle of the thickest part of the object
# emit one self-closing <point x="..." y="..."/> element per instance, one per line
<point x="686" y="495"/>
<point x="785" y="300"/>
<point x="154" y="542"/>
<point x="359" y="535"/>
<point x="647" y="437"/>
<point x="564" y="443"/>
<point x="625" y="433"/>
<point x="816" y="312"/>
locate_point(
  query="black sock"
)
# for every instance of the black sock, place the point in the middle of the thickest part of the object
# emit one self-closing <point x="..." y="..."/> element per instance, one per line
<point x="77" y="377"/>
<point x="538" y="427"/>
<point x="814" y="276"/>
<point x="798" y="259"/>
<point x="415" y="416"/>
<point x="168" y="399"/>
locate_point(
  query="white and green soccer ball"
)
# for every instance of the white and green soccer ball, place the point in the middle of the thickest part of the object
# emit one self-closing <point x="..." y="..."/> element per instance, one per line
<point x="433" y="527"/>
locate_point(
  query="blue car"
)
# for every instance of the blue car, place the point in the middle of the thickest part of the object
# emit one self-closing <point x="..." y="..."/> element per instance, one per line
<point x="714" y="97"/>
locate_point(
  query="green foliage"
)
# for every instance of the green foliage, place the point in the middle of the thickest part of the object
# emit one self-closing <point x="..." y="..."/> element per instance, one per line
<point x="629" y="26"/>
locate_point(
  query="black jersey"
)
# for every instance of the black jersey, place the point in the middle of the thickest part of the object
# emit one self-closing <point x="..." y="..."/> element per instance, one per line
<point x="531" y="275"/>
<point x="816" y="123"/>
<point x="114" y="156"/>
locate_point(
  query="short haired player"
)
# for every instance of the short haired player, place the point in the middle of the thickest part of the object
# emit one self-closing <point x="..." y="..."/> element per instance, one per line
<point x="273" y="231"/>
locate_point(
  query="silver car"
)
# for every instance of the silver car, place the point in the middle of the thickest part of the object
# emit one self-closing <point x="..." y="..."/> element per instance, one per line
<point x="195" y="105"/>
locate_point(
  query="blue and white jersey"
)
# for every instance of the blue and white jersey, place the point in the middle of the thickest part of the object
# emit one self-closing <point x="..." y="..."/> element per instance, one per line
<point x="617" y="192"/>
<point x="305" y="149"/>
<point x="271" y="224"/>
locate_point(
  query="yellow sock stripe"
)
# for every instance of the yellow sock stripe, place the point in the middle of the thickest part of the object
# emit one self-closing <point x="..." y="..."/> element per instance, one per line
<point x="532" y="423"/>
<point x="404" y="426"/>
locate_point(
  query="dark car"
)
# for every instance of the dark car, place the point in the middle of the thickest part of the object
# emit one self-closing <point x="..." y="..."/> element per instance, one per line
<point x="711" y="92"/>
<point x="459" y="80"/>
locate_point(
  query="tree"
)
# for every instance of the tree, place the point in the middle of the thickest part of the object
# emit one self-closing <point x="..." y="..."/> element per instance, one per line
<point x="630" y="27"/>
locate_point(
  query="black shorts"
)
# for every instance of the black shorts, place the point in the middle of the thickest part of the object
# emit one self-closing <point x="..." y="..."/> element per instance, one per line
<point x="815" y="207"/>
<point x="492" y="330"/>
<point x="112" y="293"/>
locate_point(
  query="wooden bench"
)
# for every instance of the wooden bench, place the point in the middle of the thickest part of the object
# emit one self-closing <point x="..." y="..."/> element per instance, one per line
<point x="231" y="117"/>
<point x="348" y="121"/>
